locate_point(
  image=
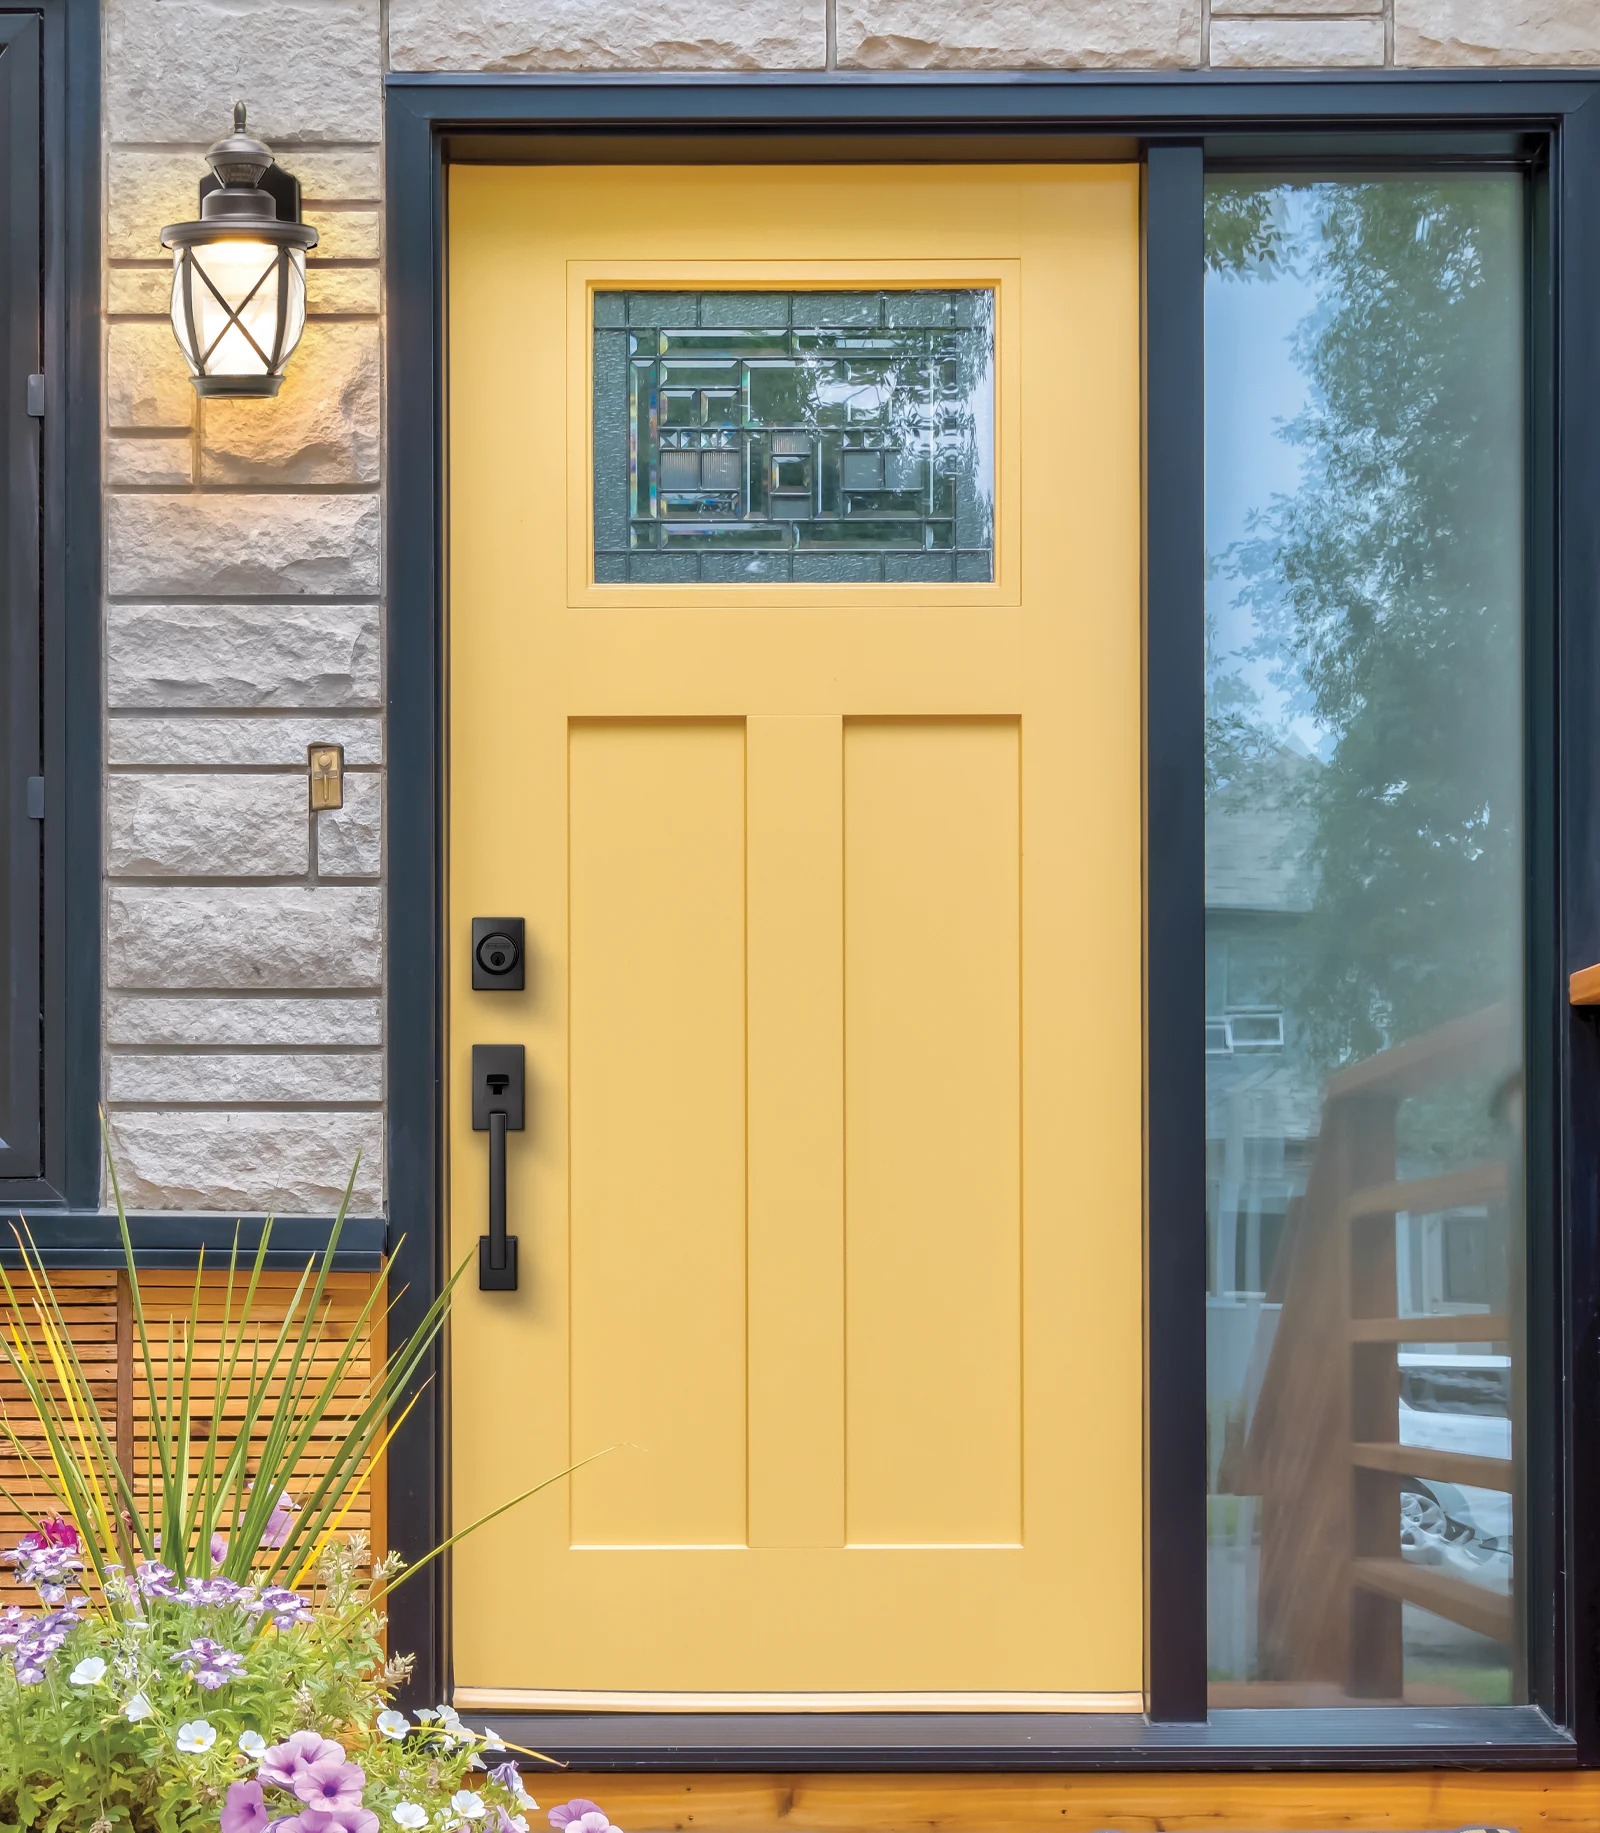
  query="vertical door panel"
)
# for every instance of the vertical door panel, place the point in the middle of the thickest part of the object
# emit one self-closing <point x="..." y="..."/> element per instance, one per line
<point x="932" y="1129"/>
<point x="656" y="827"/>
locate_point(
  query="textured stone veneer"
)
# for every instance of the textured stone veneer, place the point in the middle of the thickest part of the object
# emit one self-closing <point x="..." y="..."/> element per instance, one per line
<point x="244" y="565"/>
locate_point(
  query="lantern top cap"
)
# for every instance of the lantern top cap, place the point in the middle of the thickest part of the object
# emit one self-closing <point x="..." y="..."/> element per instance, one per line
<point x="239" y="158"/>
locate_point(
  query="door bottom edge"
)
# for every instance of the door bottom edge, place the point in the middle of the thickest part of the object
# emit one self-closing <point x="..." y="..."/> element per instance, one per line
<point x="538" y="1699"/>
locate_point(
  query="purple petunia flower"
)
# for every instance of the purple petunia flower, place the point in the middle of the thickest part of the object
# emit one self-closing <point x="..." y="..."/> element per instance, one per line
<point x="38" y="1638"/>
<point x="210" y="1663"/>
<point x="581" y="1816"/>
<point x="46" y="1565"/>
<point x="507" y="1775"/>
<point x="286" y="1608"/>
<point x="285" y="1761"/>
<point x="331" y="1820"/>
<point x="211" y="1591"/>
<point x="245" y="1810"/>
<point x="331" y="1784"/>
<point x="14" y="1625"/>
<point x="155" y="1580"/>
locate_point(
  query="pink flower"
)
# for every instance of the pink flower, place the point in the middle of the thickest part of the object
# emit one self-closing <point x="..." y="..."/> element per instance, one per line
<point x="245" y="1810"/>
<point x="356" y="1819"/>
<point x="279" y="1522"/>
<point x="331" y="1784"/>
<point x="53" y="1531"/>
<point x="296" y="1754"/>
<point x="580" y="1816"/>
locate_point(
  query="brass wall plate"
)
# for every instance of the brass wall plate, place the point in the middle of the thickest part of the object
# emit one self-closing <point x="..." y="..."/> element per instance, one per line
<point x="325" y="764"/>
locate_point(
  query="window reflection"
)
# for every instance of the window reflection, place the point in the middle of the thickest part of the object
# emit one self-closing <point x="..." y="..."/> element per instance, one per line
<point x="1364" y="874"/>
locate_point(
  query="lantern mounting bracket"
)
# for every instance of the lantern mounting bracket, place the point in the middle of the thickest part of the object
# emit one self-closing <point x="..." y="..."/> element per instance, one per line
<point x="281" y="186"/>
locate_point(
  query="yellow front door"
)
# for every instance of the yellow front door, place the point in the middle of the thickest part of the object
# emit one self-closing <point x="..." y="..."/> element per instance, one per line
<point x="794" y="701"/>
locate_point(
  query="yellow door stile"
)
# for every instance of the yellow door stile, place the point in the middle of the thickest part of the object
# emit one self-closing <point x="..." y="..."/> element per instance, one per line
<point x="829" y="1204"/>
<point x="794" y="767"/>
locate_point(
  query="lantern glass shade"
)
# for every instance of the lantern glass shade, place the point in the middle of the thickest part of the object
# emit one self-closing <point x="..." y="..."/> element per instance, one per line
<point x="238" y="309"/>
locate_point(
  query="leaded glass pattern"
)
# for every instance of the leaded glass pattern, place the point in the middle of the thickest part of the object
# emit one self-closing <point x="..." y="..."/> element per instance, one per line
<point x="801" y="436"/>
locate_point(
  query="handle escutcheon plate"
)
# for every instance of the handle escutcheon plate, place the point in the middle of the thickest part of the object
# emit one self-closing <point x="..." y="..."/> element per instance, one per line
<point x="499" y="1081"/>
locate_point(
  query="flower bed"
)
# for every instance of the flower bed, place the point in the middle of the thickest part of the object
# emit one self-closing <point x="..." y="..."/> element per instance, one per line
<point x="206" y="1650"/>
<point x="168" y="1705"/>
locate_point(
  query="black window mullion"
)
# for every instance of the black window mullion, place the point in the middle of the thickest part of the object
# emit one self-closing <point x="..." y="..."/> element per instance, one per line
<point x="1175" y="1144"/>
<point x="1564" y="1458"/>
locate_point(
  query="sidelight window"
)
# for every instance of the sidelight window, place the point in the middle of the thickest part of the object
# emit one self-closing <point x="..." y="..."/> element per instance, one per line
<point x="1364" y="886"/>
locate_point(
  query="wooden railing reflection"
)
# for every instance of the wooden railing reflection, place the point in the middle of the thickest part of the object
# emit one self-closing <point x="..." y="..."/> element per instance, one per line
<point x="1323" y="1448"/>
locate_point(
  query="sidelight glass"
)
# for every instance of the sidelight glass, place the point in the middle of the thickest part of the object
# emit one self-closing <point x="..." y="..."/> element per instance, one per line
<point x="803" y="436"/>
<point x="1364" y="939"/>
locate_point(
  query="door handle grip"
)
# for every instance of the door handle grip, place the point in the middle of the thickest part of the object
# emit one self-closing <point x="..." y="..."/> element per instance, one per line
<point x="497" y="1108"/>
<point x="497" y="1193"/>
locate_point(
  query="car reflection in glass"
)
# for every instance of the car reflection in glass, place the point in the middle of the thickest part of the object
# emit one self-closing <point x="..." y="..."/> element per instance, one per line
<point x="1457" y="1402"/>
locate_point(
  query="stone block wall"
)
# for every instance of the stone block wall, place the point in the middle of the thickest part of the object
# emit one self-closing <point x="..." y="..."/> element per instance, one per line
<point x="244" y="959"/>
<point x="243" y="622"/>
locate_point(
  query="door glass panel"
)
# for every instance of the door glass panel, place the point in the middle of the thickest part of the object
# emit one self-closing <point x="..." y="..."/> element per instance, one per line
<point x="1364" y="873"/>
<point x="794" y="436"/>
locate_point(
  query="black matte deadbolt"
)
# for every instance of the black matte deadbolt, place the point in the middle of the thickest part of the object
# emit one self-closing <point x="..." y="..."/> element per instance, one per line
<point x="497" y="951"/>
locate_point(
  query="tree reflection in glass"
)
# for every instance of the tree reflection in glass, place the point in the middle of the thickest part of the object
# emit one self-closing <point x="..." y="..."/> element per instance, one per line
<point x="1364" y="949"/>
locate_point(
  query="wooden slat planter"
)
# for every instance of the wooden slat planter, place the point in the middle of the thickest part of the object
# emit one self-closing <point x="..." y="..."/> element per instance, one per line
<point x="99" y="1314"/>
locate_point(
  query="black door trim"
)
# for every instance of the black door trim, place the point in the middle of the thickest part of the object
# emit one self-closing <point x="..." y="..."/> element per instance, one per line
<point x="1544" y="122"/>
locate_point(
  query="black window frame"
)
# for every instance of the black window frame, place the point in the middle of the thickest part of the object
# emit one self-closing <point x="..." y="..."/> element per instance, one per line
<point x="1179" y="125"/>
<point x="50" y="328"/>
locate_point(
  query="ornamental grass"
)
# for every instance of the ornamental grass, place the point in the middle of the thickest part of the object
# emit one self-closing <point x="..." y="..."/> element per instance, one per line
<point x="197" y="1641"/>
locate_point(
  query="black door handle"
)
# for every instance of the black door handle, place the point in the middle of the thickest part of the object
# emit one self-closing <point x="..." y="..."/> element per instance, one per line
<point x="498" y="1106"/>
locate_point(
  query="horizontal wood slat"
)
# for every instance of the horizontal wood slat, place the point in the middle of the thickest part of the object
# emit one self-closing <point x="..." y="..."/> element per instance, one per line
<point x="1463" y="1047"/>
<point x="1487" y="1612"/>
<point x="1427" y="1196"/>
<point x="1438" y="1466"/>
<point x="1583" y="986"/>
<point x="1458" y="1327"/>
<point x="1177" y="1803"/>
<point x="99" y="1317"/>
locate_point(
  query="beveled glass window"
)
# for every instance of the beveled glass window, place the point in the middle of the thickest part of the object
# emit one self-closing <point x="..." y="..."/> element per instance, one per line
<point x="1365" y="867"/>
<point x="809" y="436"/>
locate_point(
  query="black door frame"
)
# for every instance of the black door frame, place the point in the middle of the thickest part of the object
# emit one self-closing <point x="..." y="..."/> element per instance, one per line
<point x="1548" y="122"/>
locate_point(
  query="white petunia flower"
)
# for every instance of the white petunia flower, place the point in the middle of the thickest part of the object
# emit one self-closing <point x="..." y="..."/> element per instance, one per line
<point x="196" y="1736"/>
<point x="137" y="1708"/>
<point x="468" y="1805"/>
<point x="253" y="1744"/>
<point x="88" y="1673"/>
<point x="393" y="1725"/>
<point x="408" y="1815"/>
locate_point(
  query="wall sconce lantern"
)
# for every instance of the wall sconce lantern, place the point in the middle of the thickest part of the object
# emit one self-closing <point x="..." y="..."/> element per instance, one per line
<point x="239" y="274"/>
